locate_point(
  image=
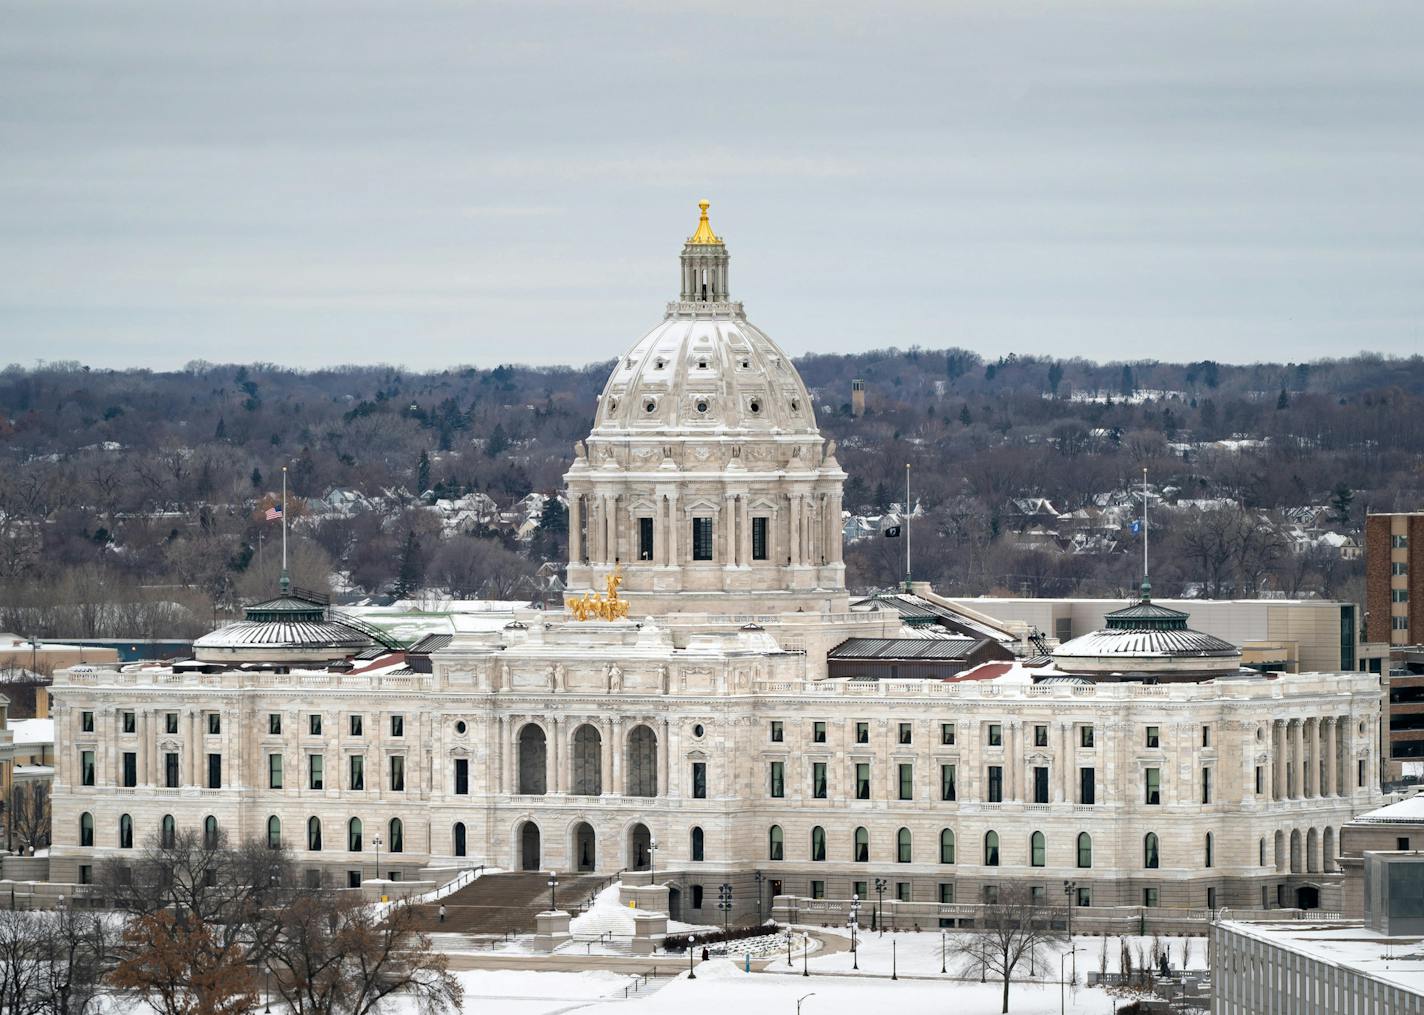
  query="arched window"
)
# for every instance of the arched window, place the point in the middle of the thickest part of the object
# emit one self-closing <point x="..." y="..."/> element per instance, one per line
<point x="862" y="846"/>
<point x="642" y="775"/>
<point x="210" y="832"/>
<point x="902" y="846"/>
<point x="533" y="760"/>
<point x="991" y="849"/>
<point x="697" y="843"/>
<point x="397" y="835"/>
<point x="588" y="761"/>
<point x="274" y="832"/>
<point x="314" y="834"/>
<point x="1037" y="850"/>
<point x="946" y="846"/>
<point x="168" y="832"/>
<point x="774" y="848"/>
<point x="1085" y="850"/>
<point x="1210" y="850"/>
<point x="353" y="835"/>
<point x="1150" y="857"/>
<point x="86" y="829"/>
<point x="125" y="832"/>
<point x="459" y="838"/>
<point x="818" y="843"/>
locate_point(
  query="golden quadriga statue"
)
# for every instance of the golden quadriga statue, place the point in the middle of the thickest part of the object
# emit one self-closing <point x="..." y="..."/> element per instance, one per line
<point x="600" y="606"/>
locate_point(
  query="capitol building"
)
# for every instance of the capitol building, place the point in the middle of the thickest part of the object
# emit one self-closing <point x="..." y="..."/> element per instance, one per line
<point x="712" y="703"/>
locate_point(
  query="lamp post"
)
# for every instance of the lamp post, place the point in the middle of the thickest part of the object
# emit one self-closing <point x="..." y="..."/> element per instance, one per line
<point x="802" y="998"/>
<point x="894" y="960"/>
<point x="652" y="856"/>
<point x="942" y="967"/>
<point x="724" y="902"/>
<point x="806" y="955"/>
<point x="376" y="841"/>
<point x="268" y="1009"/>
<point x="759" y="877"/>
<point x="1069" y="889"/>
<point x="691" y="958"/>
<point x="1062" y="992"/>
<point x="553" y="883"/>
<point x="880" y="885"/>
<point x="854" y="921"/>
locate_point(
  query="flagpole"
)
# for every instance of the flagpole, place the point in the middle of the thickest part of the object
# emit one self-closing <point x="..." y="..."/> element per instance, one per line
<point x="285" y="579"/>
<point x="907" y="526"/>
<point x="1145" y="533"/>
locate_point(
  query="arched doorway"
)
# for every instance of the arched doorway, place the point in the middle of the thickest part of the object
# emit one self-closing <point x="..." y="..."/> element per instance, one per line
<point x="1307" y="897"/>
<point x="529" y="847"/>
<point x="588" y="761"/>
<point x="640" y="852"/>
<point x="585" y="850"/>
<point x="532" y="764"/>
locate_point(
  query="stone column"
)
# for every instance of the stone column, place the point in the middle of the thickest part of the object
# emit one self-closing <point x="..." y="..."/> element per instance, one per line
<point x="1297" y="790"/>
<point x="674" y="522"/>
<point x="1332" y="773"/>
<point x="744" y="532"/>
<point x="1278" y="778"/>
<point x="793" y="529"/>
<point x="615" y="744"/>
<point x="612" y="551"/>
<point x="1064" y="792"/>
<point x="664" y="769"/>
<point x="605" y="758"/>
<point x="506" y="752"/>
<point x="193" y="746"/>
<point x="729" y="530"/>
<point x="575" y="539"/>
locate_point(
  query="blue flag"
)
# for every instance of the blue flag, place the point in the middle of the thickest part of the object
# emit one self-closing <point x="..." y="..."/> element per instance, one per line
<point x="1136" y="526"/>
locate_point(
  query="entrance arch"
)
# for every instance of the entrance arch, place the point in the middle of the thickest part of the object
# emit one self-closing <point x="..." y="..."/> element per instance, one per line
<point x="640" y="843"/>
<point x="529" y="847"/>
<point x="585" y="848"/>
<point x="1307" y="897"/>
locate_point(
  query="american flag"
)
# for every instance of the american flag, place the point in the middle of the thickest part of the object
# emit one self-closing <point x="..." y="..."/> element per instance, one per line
<point x="274" y="512"/>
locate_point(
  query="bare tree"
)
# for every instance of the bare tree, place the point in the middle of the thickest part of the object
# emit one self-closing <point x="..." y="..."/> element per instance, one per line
<point x="1012" y="932"/>
<point x="20" y="951"/>
<point x="29" y="815"/>
<point x="51" y="962"/>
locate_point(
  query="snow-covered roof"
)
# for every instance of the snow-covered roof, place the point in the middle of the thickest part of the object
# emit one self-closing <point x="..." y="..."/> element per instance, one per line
<point x="27" y="732"/>
<point x="1410" y="810"/>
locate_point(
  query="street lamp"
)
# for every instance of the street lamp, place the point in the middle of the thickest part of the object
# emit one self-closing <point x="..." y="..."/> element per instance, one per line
<point x="1062" y="993"/>
<point x="942" y="934"/>
<point x="553" y="883"/>
<point x="802" y="998"/>
<point x="853" y="922"/>
<point x="724" y="902"/>
<point x="376" y="841"/>
<point x="269" y="990"/>
<point x="759" y="877"/>
<point x="652" y="856"/>
<point x="1070" y="889"/>
<point x="880" y="885"/>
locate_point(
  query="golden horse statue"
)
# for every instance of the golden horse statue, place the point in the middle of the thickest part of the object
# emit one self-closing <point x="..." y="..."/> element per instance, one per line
<point x="600" y="606"/>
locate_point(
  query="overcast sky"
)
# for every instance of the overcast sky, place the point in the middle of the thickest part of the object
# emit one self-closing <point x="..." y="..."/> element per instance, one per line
<point x="434" y="183"/>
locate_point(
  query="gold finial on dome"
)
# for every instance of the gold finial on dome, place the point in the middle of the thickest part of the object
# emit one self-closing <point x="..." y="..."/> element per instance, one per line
<point x="704" y="234"/>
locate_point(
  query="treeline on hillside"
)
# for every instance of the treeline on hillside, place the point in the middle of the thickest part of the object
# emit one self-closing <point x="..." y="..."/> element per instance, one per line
<point x="133" y="501"/>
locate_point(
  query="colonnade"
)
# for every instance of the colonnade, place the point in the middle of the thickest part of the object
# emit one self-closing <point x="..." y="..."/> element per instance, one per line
<point x="1311" y="757"/>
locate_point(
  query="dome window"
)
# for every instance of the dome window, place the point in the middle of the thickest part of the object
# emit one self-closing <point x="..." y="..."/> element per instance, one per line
<point x="755" y="406"/>
<point x="746" y="364"/>
<point x="613" y="405"/>
<point x="659" y="363"/>
<point x="702" y="405"/>
<point x="702" y="364"/>
<point x="650" y="405"/>
<point x="460" y="727"/>
<point x="795" y="405"/>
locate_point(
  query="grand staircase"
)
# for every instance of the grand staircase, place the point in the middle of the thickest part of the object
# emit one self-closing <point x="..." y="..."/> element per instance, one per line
<point x="497" y="904"/>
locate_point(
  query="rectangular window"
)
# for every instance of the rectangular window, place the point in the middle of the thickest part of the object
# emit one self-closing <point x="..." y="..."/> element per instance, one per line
<point x="699" y="780"/>
<point x="1206" y="785"/>
<point x="1399" y="595"/>
<point x="130" y="769"/>
<point x="86" y="722"/>
<point x="314" y="771"/>
<point x="1085" y="897"/>
<point x="902" y="891"/>
<point x="645" y="539"/>
<point x="462" y="776"/>
<point x="1399" y="569"/>
<point x="862" y="781"/>
<point x="1040" y="736"/>
<point x="996" y="735"/>
<point x="696" y="896"/>
<point x="778" y="734"/>
<point x="1154" y="738"/>
<point x="1260" y="778"/>
<point x="862" y="732"/>
<point x="398" y="773"/>
<point x="274" y="723"/>
<point x="1359" y="773"/>
<point x="1038" y="895"/>
<point x="397" y="725"/>
<point x="214" y="771"/>
<point x="946" y="893"/>
<point x="170" y="770"/>
<point x="818" y="780"/>
<point x="818" y="732"/>
<point x="861" y="888"/>
<point x="1206" y="736"/>
<point x="1399" y="623"/>
<point x="1211" y="898"/>
<point x="1153" y="781"/>
<point x="1399" y="542"/>
<point x="702" y="539"/>
<point x="906" y="733"/>
<point x="1087" y="786"/>
<point x="907" y="782"/>
<point x="759" y="547"/>
<point x="1401" y="843"/>
<point x="778" y="779"/>
<point x="314" y="724"/>
<point x="996" y="784"/>
<point x="170" y="722"/>
<point x="818" y="889"/>
<point x="357" y="725"/>
<point x="946" y="734"/>
<point x="1087" y="736"/>
<point x="946" y="782"/>
<point x="214" y="724"/>
<point x="1149" y="897"/>
<point x="128" y="722"/>
<point x="357" y="763"/>
<point x="86" y="874"/>
<point x="1040" y="784"/>
<point x="86" y="768"/>
<point x="991" y="895"/>
<point x="274" y="771"/>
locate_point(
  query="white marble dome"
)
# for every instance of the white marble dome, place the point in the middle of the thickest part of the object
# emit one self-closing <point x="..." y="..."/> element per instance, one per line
<point x="704" y="375"/>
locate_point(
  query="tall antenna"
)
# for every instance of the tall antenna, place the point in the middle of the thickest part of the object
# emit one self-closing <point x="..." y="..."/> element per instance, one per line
<point x="286" y="580"/>
<point x="1146" y="584"/>
<point x="907" y="526"/>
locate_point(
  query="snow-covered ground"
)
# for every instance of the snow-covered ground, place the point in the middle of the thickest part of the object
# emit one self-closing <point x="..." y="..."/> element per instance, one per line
<point x="609" y="916"/>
